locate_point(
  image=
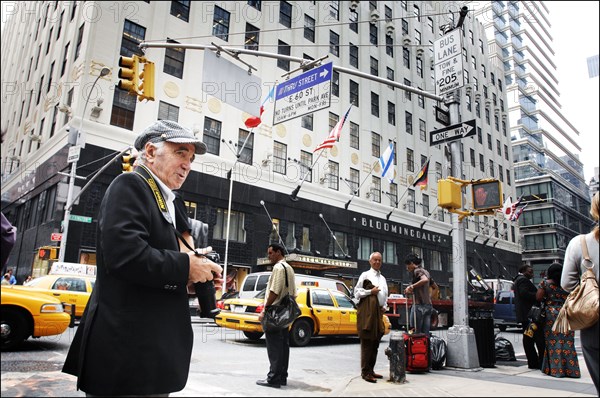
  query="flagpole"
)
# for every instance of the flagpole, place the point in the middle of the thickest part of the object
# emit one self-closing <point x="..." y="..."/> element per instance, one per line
<point x="357" y="189"/>
<point x="230" y="177"/>
<point x="294" y="194"/>
<point x="423" y="223"/>
<point x="333" y="236"/>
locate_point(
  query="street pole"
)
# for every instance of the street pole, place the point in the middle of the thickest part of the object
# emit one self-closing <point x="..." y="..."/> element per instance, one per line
<point x="73" y="175"/>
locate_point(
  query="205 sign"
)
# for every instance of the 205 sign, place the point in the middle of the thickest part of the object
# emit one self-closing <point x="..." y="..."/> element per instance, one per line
<point x="449" y="75"/>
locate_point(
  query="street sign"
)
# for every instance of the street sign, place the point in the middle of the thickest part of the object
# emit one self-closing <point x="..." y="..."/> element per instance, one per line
<point x="448" y="62"/>
<point x="454" y="132"/>
<point x="303" y="94"/>
<point x="74" y="152"/>
<point x="85" y="219"/>
<point x="55" y="237"/>
<point x="442" y="116"/>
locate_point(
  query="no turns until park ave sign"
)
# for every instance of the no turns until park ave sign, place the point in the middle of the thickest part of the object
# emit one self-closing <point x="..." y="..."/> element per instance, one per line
<point x="307" y="93"/>
<point x="454" y="132"/>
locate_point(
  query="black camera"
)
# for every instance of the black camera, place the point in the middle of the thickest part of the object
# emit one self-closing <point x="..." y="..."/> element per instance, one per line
<point x="206" y="293"/>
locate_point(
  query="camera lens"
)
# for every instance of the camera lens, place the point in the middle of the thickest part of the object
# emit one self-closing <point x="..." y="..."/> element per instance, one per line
<point x="205" y="291"/>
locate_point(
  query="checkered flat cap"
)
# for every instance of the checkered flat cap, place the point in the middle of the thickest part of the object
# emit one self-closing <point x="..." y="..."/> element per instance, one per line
<point x="167" y="130"/>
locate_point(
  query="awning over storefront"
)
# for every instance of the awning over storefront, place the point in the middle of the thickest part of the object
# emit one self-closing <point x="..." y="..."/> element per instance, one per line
<point x="311" y="262"/>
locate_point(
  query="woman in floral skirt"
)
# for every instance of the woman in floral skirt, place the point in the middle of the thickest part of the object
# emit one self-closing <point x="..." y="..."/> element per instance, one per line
<point x="560" y="357"/>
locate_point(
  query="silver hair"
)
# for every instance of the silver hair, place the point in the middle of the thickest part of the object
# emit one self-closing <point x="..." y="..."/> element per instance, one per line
<point x="142" y="158"/>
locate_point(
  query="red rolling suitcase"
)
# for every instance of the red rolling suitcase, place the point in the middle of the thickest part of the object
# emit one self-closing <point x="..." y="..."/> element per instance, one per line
<point x="418" y="358"/>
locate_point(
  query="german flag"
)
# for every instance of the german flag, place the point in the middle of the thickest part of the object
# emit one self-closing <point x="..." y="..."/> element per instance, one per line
<point x="421" y="179"/>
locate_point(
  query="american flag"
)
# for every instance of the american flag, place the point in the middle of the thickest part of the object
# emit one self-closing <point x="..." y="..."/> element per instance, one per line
<point x="335" y="133"/>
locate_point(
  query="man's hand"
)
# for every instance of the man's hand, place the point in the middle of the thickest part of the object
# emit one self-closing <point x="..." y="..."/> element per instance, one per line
<point x="203" y="270"/>
<point x="375" y="290"/>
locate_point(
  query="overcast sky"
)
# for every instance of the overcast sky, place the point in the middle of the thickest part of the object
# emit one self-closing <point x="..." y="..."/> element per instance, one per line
<point x="575" y="33"/>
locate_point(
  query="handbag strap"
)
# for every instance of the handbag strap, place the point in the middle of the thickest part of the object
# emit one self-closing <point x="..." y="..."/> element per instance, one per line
<point x="586" y="253"/>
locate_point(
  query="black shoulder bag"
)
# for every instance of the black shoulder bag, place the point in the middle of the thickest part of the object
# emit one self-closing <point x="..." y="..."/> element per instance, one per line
<point x="280" y="316"/>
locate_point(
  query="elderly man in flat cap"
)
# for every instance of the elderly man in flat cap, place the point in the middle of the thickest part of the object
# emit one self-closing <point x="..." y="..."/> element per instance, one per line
<point x="135" y="337"/>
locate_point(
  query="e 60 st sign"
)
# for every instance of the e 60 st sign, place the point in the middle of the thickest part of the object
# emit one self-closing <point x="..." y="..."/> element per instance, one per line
<point x="448" y="62"/>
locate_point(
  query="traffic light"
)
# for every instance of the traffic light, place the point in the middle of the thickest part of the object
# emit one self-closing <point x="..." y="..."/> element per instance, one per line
<point x="146" y="81"/>
<point x="128" y="73"/>
<point x="126" y="164"/>
<point x="44" y="253"/>
<point x="487" y="195"/>
<point x="449" y="194"/>
<point x="53" y="253"/>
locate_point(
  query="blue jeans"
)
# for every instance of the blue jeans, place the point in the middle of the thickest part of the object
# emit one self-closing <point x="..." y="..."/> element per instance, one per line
<point x="423" y="312"/>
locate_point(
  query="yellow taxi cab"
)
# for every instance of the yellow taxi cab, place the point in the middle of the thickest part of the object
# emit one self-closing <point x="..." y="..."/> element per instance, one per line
<point x="325" y="312"/>
<point x="30" y="314"/>
<point x="70" y="289"/>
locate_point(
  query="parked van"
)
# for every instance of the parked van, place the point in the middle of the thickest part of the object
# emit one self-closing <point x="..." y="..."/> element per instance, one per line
<point x="255" y="282"/>
<point x="505" y="314"/>
<point x="497" y="285"/>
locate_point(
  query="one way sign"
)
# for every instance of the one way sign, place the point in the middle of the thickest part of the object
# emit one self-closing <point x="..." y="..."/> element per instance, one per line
<point x="451" y="133"/>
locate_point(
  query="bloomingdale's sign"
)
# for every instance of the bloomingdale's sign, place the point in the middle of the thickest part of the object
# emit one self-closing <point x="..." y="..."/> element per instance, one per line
<point x="400" y="230"/>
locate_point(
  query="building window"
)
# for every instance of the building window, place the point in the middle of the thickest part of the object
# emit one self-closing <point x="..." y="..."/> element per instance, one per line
<point x="492" y="173"/>
<point x="133" y="35"/>
<point x="375" y="144"/>
<point x="354" y="135"/>
<point x="333" y="175"/>
<point x="279" y="157"/>
<point x="181" y="10"/>
<point x="354" y="93"/>
<point x="407" y="94"/>
<point x="489" y="141"/>
<point x="389" y="253"/>
<point x="472" y="156"/>
<point x="309" y="28"/>
<point x="506" y="152"/>
<point x="354" y="181"/>
<point x="410" y="201"/>
<point x="501" y="173"/>
<point x="390" y="76"/>
<point x="417" y="12"/>
<point x="174" y="60"/>
<point x="408" y="122"/>
<point x="307" y="121"/>
<point x="255" y="4"/>
<point x="374" y="67"/>
<point x="306" y="160"/>
<point x="80" y="38"/>
<point x="393" y="194"/>
<point x="422" y="130"/>
<point x="421" y="99"/>
<point x="375" y="189"/>
<point x="481" y="163"/>
<point x="391" y="113"/>
<point x="64" y="62"/>
<point x="406" y="57"/>
<point x="365" y="248"/>
<point x="419" y="64"/>
<point x="334" y="43"/>
<point x="168" y="112"/>
<point x="374" y="104"/>
<point x="389" y="45"/>
<point x="123" y="109"/>
<point x="410" y="160"/>
<point x="468" y="101"/>
<point x="221" y="23"/>
<point x="285" y="14"/>
<point x="237" y="233"/>
<point x="252" y="37"/>
<point x="426" y="205"/>
<point x="479" y="135"/>
<point x="373" y="34"/>
<point x="338" y="247"/>
<point x="284" y="49"/>
<point x="335" y="83"/>
<point x="353" y="20"/>
<point x="353" y="55"/>
<point x="212" y="135"/>
<point x="334" y="9"/>
<point x="333" y="119"/>
<point x="246" y="154"/>
<point x="404" y="26"/>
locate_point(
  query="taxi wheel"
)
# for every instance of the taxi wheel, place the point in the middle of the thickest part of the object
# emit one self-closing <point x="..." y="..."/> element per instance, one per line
<point x="301" y="333"/>
<point x="253" y="335"/>
<point x="14" y="326"/>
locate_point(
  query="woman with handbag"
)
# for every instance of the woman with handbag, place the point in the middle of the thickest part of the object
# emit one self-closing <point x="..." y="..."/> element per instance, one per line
<point x="574" y="267"/>
<point x="560" y="357"/>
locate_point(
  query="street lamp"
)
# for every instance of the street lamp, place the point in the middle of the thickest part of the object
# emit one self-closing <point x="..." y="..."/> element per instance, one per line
<point x="69" y="204"/>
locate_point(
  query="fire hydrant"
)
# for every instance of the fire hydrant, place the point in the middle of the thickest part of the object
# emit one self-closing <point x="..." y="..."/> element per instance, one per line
<point x="397" y="355"/>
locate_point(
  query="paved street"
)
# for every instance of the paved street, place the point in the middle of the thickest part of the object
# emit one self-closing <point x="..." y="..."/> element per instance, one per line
<point x="225" y="363"/>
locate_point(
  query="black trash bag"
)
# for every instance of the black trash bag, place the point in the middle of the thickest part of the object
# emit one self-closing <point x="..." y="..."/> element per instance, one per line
<point x="438" y="352"/>
<point x="504" y="350"/>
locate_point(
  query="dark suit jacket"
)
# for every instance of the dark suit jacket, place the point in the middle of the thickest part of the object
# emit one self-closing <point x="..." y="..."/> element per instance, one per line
<point x="135" y="336"/>
<point x="525" y="292"/>
<point x="369" y="317"/>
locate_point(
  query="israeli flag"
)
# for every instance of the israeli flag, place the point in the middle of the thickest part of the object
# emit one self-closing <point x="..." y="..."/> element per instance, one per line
<point x="387" y="162"/>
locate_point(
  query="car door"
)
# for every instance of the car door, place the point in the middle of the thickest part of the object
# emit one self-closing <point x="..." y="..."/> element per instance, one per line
<point x="327" y="315"/>
<point x="75" y="293"/>
<point x="347" y="313"/>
